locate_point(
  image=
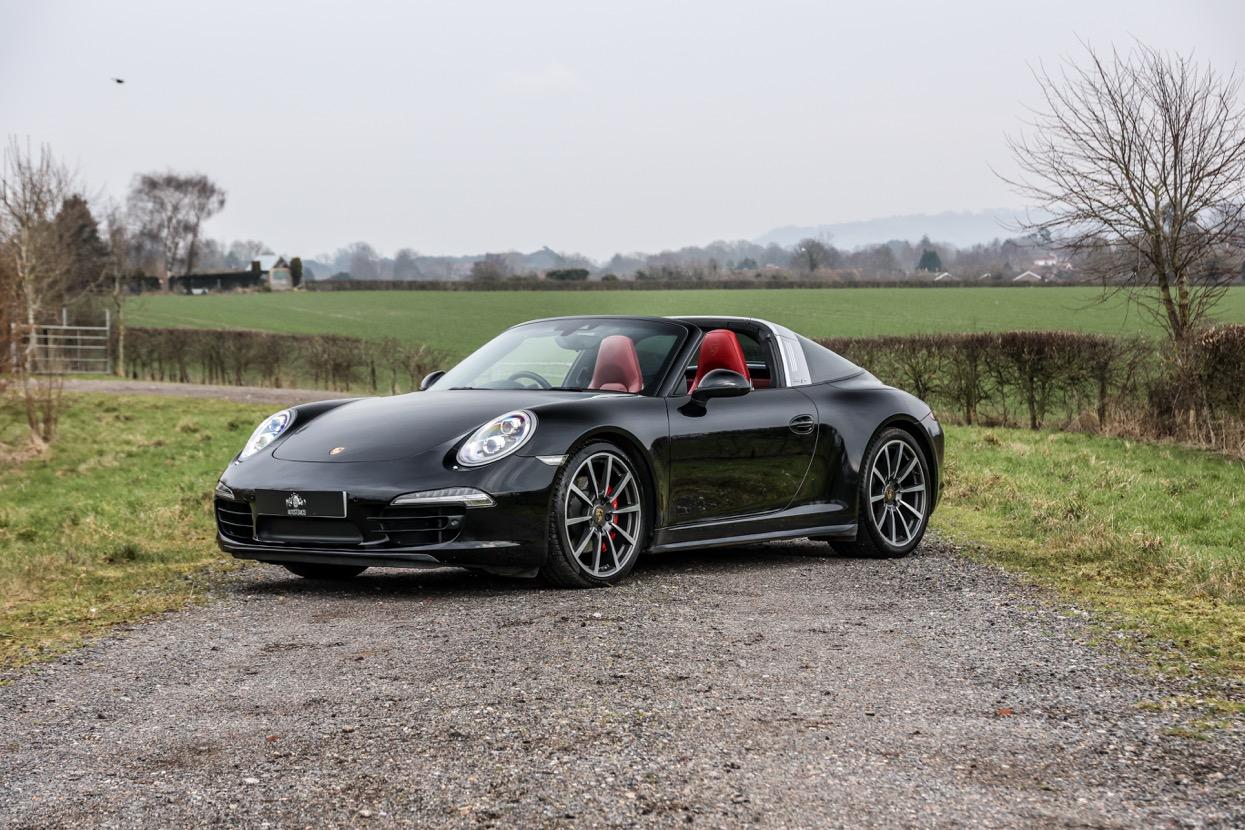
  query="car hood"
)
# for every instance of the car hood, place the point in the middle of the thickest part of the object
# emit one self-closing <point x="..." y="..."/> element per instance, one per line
<point x="384" y="429"/>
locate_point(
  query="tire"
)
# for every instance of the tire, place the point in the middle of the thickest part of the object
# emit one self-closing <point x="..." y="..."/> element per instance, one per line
<point x="600" y="518"/>
<point x="328" y="573"/>
<point x="894" y="497"/>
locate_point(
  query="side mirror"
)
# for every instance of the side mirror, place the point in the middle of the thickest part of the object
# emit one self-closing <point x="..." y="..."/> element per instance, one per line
<point x="721" y="383"/>
<point x="429" y="379"/>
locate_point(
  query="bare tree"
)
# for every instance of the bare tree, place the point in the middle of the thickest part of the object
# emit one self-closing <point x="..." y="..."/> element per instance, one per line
<point x="120" y="265"/>
<point x="404" y="265"/>
<point x="170" y="208"/>
<point x="33" y="188"/>
<point x="491" y="268"/>
<point x="1138" y="162"/>
<point x="243" y="252"/>
<point x="813" y="254"/>
<point x="206" y="200"/>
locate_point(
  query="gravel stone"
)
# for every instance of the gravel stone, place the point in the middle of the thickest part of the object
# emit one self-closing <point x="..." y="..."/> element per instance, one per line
<point x="761" y="686"/>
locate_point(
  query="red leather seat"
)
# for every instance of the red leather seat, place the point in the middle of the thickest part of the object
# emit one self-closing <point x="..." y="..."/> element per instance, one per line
<point x="720" y="350"/>
<point x="618" y="366"/>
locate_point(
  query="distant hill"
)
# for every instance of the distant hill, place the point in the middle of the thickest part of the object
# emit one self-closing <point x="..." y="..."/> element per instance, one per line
<point x="960" y="229"/>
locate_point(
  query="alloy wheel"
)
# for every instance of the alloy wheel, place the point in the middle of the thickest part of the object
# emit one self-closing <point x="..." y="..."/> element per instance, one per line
<point x="602" y="514"/>
<point x="897" y="492"/>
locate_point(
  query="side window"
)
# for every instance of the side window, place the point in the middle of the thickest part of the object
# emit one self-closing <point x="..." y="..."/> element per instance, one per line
<point x="760" y="361"/>
<point x="825" y="365"/>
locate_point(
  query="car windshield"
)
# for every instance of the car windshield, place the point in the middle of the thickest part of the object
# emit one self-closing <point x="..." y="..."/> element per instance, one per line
<point x="602" y="354"/>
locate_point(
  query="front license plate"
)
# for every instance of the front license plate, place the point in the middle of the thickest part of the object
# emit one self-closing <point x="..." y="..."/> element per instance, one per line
<point x="323" y="504"/>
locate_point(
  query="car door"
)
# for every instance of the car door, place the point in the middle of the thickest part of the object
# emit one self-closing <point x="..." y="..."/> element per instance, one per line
<point x="737" y="457"/>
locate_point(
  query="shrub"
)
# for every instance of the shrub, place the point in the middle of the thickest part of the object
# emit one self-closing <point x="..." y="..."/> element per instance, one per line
<point x="240" y="358"/>
<point x="1078" y="380"/>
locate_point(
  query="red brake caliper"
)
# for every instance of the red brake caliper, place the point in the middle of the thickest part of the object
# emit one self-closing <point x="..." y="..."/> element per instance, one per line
<point x="614" y="505"/>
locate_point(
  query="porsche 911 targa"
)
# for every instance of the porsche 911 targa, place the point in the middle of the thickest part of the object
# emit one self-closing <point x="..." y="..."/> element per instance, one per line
<point x="567" y="447"/>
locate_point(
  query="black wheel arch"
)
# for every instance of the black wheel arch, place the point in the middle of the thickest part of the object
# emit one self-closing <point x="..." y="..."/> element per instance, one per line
<point x="913" y="427"/>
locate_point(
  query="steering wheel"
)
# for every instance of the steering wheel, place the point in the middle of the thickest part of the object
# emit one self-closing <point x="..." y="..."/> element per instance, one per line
<point x="525" y="374"/>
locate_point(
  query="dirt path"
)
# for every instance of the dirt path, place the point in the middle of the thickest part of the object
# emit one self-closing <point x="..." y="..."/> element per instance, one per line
<point x="241" y="394"/>
<point x="763" y="686"/>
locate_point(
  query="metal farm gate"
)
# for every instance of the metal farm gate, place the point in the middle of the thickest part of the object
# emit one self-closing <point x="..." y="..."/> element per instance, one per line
<point x="64" y="349"/>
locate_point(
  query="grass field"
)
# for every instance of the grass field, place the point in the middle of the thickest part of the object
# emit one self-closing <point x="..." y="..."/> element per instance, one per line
<point x="1152" y="534"/>
<point x="115" y="521"/>
<point x="112" y="524"/>
<point x="459" y="321"/>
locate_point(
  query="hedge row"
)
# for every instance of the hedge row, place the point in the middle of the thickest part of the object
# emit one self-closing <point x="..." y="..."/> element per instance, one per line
<point x="1071" y="380"/>
<point x="243" y="358"/>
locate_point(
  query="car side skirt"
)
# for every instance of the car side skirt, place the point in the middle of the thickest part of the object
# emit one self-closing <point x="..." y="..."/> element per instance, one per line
<point x="842" y="531"/>
<point x="822" y="520"/>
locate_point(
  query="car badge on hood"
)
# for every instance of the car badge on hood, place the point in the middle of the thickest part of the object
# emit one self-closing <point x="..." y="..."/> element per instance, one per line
<point x="337" y="450"/>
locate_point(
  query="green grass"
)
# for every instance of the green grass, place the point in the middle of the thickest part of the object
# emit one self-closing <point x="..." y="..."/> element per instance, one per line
<point x="110" y="524"/>
<point x="459" y="321"/>
<point x="1152" y="534"/>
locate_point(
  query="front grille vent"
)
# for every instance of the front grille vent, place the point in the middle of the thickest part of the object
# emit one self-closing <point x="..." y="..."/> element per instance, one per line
<point x="234" y="519"/>
<point x="414" y="526"/>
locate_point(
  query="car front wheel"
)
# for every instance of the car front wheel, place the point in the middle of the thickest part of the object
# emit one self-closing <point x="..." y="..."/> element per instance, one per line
<point x="600" y="519"/>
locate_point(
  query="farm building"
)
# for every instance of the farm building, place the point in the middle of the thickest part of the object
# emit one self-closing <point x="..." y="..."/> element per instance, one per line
<point x="1028" y="276"/>
<point x="218" y="281"/>
<point x="269" y="269"/>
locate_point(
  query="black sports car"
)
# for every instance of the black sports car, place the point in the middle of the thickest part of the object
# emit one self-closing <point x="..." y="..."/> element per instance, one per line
<point x="567" y="447"/>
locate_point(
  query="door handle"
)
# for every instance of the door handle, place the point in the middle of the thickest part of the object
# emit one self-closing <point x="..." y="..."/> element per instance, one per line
<point x="802" y="424"/>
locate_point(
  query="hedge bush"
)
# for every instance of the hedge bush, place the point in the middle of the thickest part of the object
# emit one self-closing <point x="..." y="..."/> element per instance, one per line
<point x="239" y="358"/>
<point x="1034" y="378"/>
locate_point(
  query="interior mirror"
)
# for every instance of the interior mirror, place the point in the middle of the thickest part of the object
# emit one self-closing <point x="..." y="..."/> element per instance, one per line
<point x="721" y="383"/>
<point x="429" y="379"/>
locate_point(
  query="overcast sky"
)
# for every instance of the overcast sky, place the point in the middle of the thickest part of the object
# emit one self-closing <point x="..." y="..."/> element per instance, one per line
<point x="593" y="127"/>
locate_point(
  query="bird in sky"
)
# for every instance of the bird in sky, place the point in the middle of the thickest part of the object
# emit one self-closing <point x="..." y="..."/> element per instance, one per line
<point x="118" y="80"/>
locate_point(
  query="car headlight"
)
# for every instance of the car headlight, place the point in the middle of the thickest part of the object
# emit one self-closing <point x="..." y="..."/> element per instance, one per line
<point x="498" y="438"/>
<point x="270" y="430"/>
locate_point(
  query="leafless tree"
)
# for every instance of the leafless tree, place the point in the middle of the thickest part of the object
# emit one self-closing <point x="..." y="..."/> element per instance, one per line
<point x="1137" y="162"/>
<point x="170" y="208"/>
<point x="33" y="187"/>
<point x="121" y="263"/>
<point x="491" y="268"/>
<point x="242" y="252"/>
<point x="813" y="254"/>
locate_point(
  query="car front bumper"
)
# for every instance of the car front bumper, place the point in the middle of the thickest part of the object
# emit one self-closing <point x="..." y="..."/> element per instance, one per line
<point x="509" y="537"/>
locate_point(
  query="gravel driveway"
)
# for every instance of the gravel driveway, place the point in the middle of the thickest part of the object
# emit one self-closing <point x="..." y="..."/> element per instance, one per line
<point x="768" y="686"/>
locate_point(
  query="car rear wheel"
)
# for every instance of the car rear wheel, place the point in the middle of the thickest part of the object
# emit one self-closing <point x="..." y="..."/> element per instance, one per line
<point x="600" y="519"/>
<point x="894" y="498"/>
<point x="324" y="572"/>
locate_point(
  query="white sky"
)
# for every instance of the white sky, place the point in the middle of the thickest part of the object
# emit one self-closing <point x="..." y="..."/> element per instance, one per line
<point x="589" y="126"/>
